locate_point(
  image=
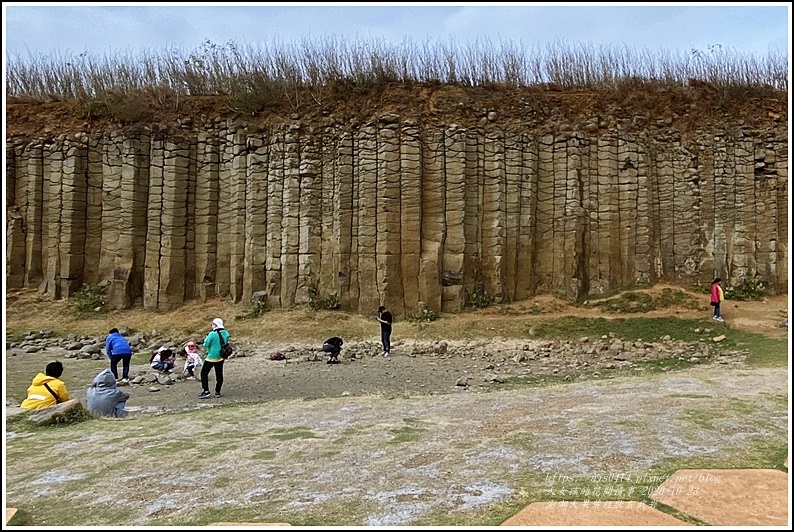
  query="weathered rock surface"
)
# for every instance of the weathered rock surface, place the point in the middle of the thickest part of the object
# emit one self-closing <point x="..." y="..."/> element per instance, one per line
<point x="392" y="212"/>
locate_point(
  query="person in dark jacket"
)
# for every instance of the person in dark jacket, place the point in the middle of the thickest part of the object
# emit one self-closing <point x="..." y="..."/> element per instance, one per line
<point x="118" y="349"/>
<point x="104" y="397"/>
<point x="333" y="346"/>
<point x="385" y="318"/>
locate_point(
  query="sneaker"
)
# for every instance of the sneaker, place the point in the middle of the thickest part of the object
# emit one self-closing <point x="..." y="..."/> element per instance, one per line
<point x="715" y="318"/>
<point x="204" y="394"/>
<point x="217" y="394"/>
<point x="386" y="354"/>
<point x="125" y="381"/>
<point x="190" y="379"/>
<point x="720" y="319"/>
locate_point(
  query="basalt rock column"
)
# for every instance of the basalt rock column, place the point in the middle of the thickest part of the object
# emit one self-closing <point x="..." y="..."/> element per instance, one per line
<point x="365" y="173"/>
<point x="311" y="218"/>
<point x="256" y="208"/>
<point x="392" y="212"/>
<point x="432" y="219"/>
<point x="127" y="165"/>
<point x="388" y="235"/>
<point x="206" y="215"/>
<point x="452" y="294"/>
<point x="410" y="218"/>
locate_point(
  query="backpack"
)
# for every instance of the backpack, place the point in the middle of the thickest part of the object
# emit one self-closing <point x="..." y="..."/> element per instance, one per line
<point x="226" y="349"/>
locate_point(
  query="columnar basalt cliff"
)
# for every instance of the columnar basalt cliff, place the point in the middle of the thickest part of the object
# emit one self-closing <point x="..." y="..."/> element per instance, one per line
<point x="395" y="210"/>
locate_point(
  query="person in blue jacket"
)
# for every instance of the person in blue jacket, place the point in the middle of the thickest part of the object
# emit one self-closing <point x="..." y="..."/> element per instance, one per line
<point x="118" y="349"/>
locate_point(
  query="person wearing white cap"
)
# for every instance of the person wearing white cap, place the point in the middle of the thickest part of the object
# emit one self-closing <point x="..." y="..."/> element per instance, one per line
<point x="213" y="360"/>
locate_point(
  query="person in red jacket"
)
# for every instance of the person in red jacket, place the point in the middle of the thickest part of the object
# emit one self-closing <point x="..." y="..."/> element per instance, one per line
<point x="716" y="298"/>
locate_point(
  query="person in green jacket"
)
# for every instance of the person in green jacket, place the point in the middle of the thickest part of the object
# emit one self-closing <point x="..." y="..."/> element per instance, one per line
<point x="47" y="388"/>
<point x="213" y="360"/>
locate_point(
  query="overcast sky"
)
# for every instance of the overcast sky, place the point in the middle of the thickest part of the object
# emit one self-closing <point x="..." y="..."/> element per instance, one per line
<point x="98" y="28"/>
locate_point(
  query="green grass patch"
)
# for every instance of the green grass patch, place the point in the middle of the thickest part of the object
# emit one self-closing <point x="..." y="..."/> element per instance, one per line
<point x="22" y="424"/>
<point x="632" y="424"/>
<point x="336" y="512"/>
<point x="90" y="299"/>
<point x="761" y="350"/>
<point x="348" y="433"/>
<point x="741" y="405"/>
<point x="701" y="418"/>
<point x="520" y="440"/>
<point x="264" y="455"/>
<point x="222" y="482"/>
<point x="779" y="399"/>
<point x="293" y="433"/>
<point x="53" y="511"/>
<point x="167" y="449"/>
<point x="407" y="433"/>
<point x="646" y="329"/>
<point x="259" y="512"/>
<point x="635" y="302"/>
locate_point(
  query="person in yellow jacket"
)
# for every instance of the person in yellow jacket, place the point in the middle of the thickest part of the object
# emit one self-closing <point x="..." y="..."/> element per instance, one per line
<point x="47" y="389"/>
